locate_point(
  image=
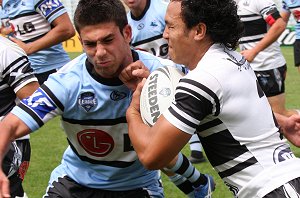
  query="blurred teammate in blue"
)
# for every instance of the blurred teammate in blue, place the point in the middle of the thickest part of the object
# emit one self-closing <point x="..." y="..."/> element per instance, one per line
<point x="147" y="20"/>
<point x="39" y="27"/>
<point x="17" y="81"/>
<point x="92" y="101"/>
<point x="293" y="7"/>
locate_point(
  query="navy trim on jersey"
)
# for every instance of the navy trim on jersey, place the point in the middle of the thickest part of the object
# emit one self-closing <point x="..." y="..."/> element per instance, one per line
<point x="239" y="167"/>
<point x="34" y="39"/>
<point x="143" y="13"/>
<point x="118" y="164"/>
<point x="53" y="97"/>
<point x="23" y="15"/>
<point x="255" y="27"/>
<point x="32" y="114"/>
<point x="96" y="122"/>
<point x="54" y="12"/>
<point x="249" y="15"/>
<point x="148" y="40"/>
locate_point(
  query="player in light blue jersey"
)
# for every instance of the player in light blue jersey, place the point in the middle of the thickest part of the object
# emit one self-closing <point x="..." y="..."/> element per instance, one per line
<point x="92" y="101"/>
<point x="147" y="19"/>
<point x="293" y="7"/>
<point x="39" y="27"/>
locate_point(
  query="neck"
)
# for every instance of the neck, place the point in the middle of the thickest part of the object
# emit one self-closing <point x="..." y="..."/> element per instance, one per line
<point x="138" y="11"/>
<point x="199" y="53"/>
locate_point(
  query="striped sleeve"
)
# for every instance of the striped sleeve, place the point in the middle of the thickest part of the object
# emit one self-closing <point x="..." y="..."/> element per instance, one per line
<point x="194" y="100"/>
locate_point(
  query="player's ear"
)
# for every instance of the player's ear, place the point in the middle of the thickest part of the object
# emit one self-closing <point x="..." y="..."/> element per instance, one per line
<point x="200" y="31"/>
<point x="127" y="33"/>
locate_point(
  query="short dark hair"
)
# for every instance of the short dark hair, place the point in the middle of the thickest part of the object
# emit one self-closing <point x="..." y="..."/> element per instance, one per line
<point x="93" y="12"/>
<point x="220" y="17"/>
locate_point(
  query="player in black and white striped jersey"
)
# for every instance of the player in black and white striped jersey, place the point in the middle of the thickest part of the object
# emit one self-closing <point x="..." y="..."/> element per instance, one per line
<point x="16" y="82"/>
<point x="220" y="100"/>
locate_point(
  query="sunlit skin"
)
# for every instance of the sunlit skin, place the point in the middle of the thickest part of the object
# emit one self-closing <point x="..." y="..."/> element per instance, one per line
<point x="180" y="38"/>
<point x="107" y="48"/>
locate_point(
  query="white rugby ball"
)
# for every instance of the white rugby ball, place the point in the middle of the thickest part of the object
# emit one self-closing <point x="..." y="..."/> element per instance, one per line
<point x="158" y="93"/>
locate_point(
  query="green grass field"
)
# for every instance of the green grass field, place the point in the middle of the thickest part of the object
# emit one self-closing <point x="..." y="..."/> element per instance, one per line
<point x="49" y="142"/>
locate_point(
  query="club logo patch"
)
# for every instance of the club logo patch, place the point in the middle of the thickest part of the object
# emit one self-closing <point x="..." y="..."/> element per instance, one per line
<point x="116" y="95"/>
<point x="87" y="101"/>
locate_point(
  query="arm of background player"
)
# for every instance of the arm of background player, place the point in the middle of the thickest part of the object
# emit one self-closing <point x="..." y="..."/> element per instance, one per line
<point x="285" y="16"/>
<point x="62" y="30"/>
<point x="11" y="127"/>
<point x="290" y="127"/>
<point x="271" y="36"/>
<point x="27" y="90"/>
<point x="156" y="146"/>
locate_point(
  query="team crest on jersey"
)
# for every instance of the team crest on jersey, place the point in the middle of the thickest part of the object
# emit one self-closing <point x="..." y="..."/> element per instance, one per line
<point x="48" y="6"/>
<point x="282" y="153"/>
<point x="87" y="101"/>
<point x="117" y="95"/>
<point x="246" y="3"/>
<point x="140" y="26"/>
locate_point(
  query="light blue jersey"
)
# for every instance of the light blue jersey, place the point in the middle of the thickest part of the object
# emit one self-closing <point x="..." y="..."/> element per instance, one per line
<point x="147" y="30"/>
<point x="30" y="20"/>
<point x="293" y="7"/>
<point x="93" y="112"/>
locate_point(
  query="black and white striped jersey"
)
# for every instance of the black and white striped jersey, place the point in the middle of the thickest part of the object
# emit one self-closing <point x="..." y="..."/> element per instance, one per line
<point x="221" y="101"/>
<point x="15" y="72"/>
<point x="257" y="17"/>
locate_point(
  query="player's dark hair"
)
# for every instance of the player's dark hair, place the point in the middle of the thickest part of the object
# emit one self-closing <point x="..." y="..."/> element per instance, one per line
<point x="220" y="17"/>
<point x="93" y="12"/>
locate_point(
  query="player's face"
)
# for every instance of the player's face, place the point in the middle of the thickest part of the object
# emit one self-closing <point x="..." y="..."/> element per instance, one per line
<point x="134" y="4"/>
<point x="106" y="48"/>
<point x="178" y="36"/>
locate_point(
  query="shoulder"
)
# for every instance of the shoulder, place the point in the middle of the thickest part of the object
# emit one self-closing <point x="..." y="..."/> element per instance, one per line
<point x="153" y="62"/>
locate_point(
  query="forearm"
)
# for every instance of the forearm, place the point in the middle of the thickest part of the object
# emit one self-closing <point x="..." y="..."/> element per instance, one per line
<point x="271" y="36"/>
<point x="138" y="132"/>
<point x="62" y="30"/>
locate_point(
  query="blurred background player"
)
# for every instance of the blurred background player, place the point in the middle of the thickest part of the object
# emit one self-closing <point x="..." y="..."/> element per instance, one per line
<point x="293" y="7"/>
<point x="263" y="25"/>
<point x="147" y="20"/>
<point x="17" y="81"/>
<point x="92" y="101"/>
<point x="39" y="27"/>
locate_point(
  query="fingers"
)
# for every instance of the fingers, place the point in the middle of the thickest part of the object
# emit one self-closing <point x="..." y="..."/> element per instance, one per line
<point x="4" y="188"/>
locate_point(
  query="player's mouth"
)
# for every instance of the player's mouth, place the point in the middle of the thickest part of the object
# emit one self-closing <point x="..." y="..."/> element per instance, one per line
<point x="103" y="63"/>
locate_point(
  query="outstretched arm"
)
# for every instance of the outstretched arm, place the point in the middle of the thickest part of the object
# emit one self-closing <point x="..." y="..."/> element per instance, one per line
<point x="290" y="127"/>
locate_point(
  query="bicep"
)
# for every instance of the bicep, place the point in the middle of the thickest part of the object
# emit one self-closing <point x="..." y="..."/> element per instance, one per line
<point x="27" y="90"/>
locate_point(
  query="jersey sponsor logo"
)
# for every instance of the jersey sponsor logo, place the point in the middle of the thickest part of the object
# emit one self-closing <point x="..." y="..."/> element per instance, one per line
<point x="117" y="95"/>
<point x="40" y="103"/>
<point x="96" y="142"/>
<point x="282" y="153"/>
<point x="48" y="6"/>
<point x="140" y="26"/>
<point x="87" y="101"/>
<point x="153" y="100"/>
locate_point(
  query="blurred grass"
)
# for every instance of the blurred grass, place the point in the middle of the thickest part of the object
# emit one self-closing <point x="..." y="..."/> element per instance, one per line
<point x="49" y="143"/>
